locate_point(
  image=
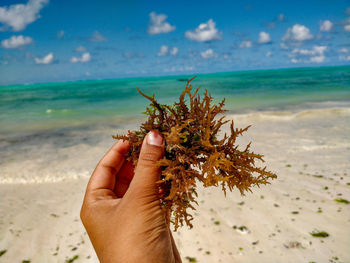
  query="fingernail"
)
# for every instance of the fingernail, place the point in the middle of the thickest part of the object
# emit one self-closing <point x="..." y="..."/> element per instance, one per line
<point x="154" y="138"/>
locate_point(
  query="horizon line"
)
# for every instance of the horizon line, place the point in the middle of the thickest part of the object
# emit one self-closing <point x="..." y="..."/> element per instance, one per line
<point x="175" y="75"/>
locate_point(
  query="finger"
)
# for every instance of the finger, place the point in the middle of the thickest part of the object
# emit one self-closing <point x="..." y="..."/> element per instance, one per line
<point x="124" y="177"/>
<point x="175" y="250"/>
<point x="147" y="173"/>
<point x="104" y="176"/>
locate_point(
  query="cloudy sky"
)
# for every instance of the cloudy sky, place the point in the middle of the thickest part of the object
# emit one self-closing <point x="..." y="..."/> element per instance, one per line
<point x="61" y="40"/>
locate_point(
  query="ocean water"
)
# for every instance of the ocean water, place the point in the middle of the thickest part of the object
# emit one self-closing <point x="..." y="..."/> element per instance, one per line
<point x="58" y="131"/>
<point x="52" y="105"/>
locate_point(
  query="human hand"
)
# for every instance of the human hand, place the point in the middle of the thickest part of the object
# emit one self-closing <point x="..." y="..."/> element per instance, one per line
<point x="121" y="210"/>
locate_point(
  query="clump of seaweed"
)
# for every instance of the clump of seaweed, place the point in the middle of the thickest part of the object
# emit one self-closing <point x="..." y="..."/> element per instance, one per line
<point x="321" y="234"/>
<point x="342" y="200"/>
<point x="194" y="152"/>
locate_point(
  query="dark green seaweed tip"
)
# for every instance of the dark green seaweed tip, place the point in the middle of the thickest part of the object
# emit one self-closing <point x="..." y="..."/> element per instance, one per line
<point x="342" y="200"/>
<point x="191" y="259"/>
<point x="319" y="234"/>
<point x="72" y="259"/>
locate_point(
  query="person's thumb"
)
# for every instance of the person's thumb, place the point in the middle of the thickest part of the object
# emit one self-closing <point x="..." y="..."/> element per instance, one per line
<point x="147" y="173"/>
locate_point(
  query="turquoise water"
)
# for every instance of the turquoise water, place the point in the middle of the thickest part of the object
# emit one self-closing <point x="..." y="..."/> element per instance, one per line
<point x="82" y="102"/>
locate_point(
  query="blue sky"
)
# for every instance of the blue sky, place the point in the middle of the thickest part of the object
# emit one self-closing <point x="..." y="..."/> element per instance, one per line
<point x="61" y="40"/>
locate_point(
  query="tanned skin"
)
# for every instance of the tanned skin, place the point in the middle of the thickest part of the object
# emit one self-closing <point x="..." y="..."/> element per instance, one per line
<point x="121" y="210"/>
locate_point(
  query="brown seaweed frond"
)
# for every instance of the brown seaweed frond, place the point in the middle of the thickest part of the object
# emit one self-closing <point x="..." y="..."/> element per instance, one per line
<point x="194" y="153"/>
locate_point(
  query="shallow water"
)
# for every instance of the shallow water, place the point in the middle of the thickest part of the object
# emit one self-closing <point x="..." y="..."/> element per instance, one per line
<point x="58" y="131"/>
<point x="55" y="105"/>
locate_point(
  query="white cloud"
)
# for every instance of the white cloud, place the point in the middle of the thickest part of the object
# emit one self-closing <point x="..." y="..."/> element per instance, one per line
<point x="48" y="59"/>
<point x="315" y="50"/>
<point x="18" y="16"/>
<point x="74" y="60"/>
<point x="80" y="49"/>
<point x="344" y="50"/>
<point x="16" y="42"/>
<point x="319" y="49"/>
<point x="346" y="58"/>
<point x="294" y="60"/>
<point x="283" y="46"/>
<point x="264" y="38"/>
<point x="179" y="68"/>
<point x="317" y="59"/>
<point x="316" y="54"/>
<point x="85" y="57"/>
<point x="204" y="32"/>
<point x="165" y="50"/>
<point x="158" y="25"/>
<point x="209" y="53"/>
<point x="174" y="51"/>
<point x="297" y="33"/>
<point x="347" y="28"/>
<point x="246" y="44"/>
<point x="326" y="26"/>
<point x="268" y="54"/>
<point x="97" y="37"/>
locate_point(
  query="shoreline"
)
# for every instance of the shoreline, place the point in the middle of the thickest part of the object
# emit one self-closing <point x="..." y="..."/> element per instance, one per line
<point x="60" y="147"/>
<point x="120" y="122"/>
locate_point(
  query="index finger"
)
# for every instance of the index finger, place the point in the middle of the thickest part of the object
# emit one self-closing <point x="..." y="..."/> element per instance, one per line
<point x="104" y="176"/>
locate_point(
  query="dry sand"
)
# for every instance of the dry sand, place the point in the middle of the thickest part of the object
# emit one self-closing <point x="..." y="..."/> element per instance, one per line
<point x="309" y="150"/>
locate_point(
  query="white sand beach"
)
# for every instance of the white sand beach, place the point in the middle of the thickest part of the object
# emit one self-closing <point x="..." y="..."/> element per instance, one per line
<point x="43" y="179"/>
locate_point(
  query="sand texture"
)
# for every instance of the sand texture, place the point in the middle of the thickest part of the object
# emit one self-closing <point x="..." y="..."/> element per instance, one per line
<point x="309" y="150"/>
